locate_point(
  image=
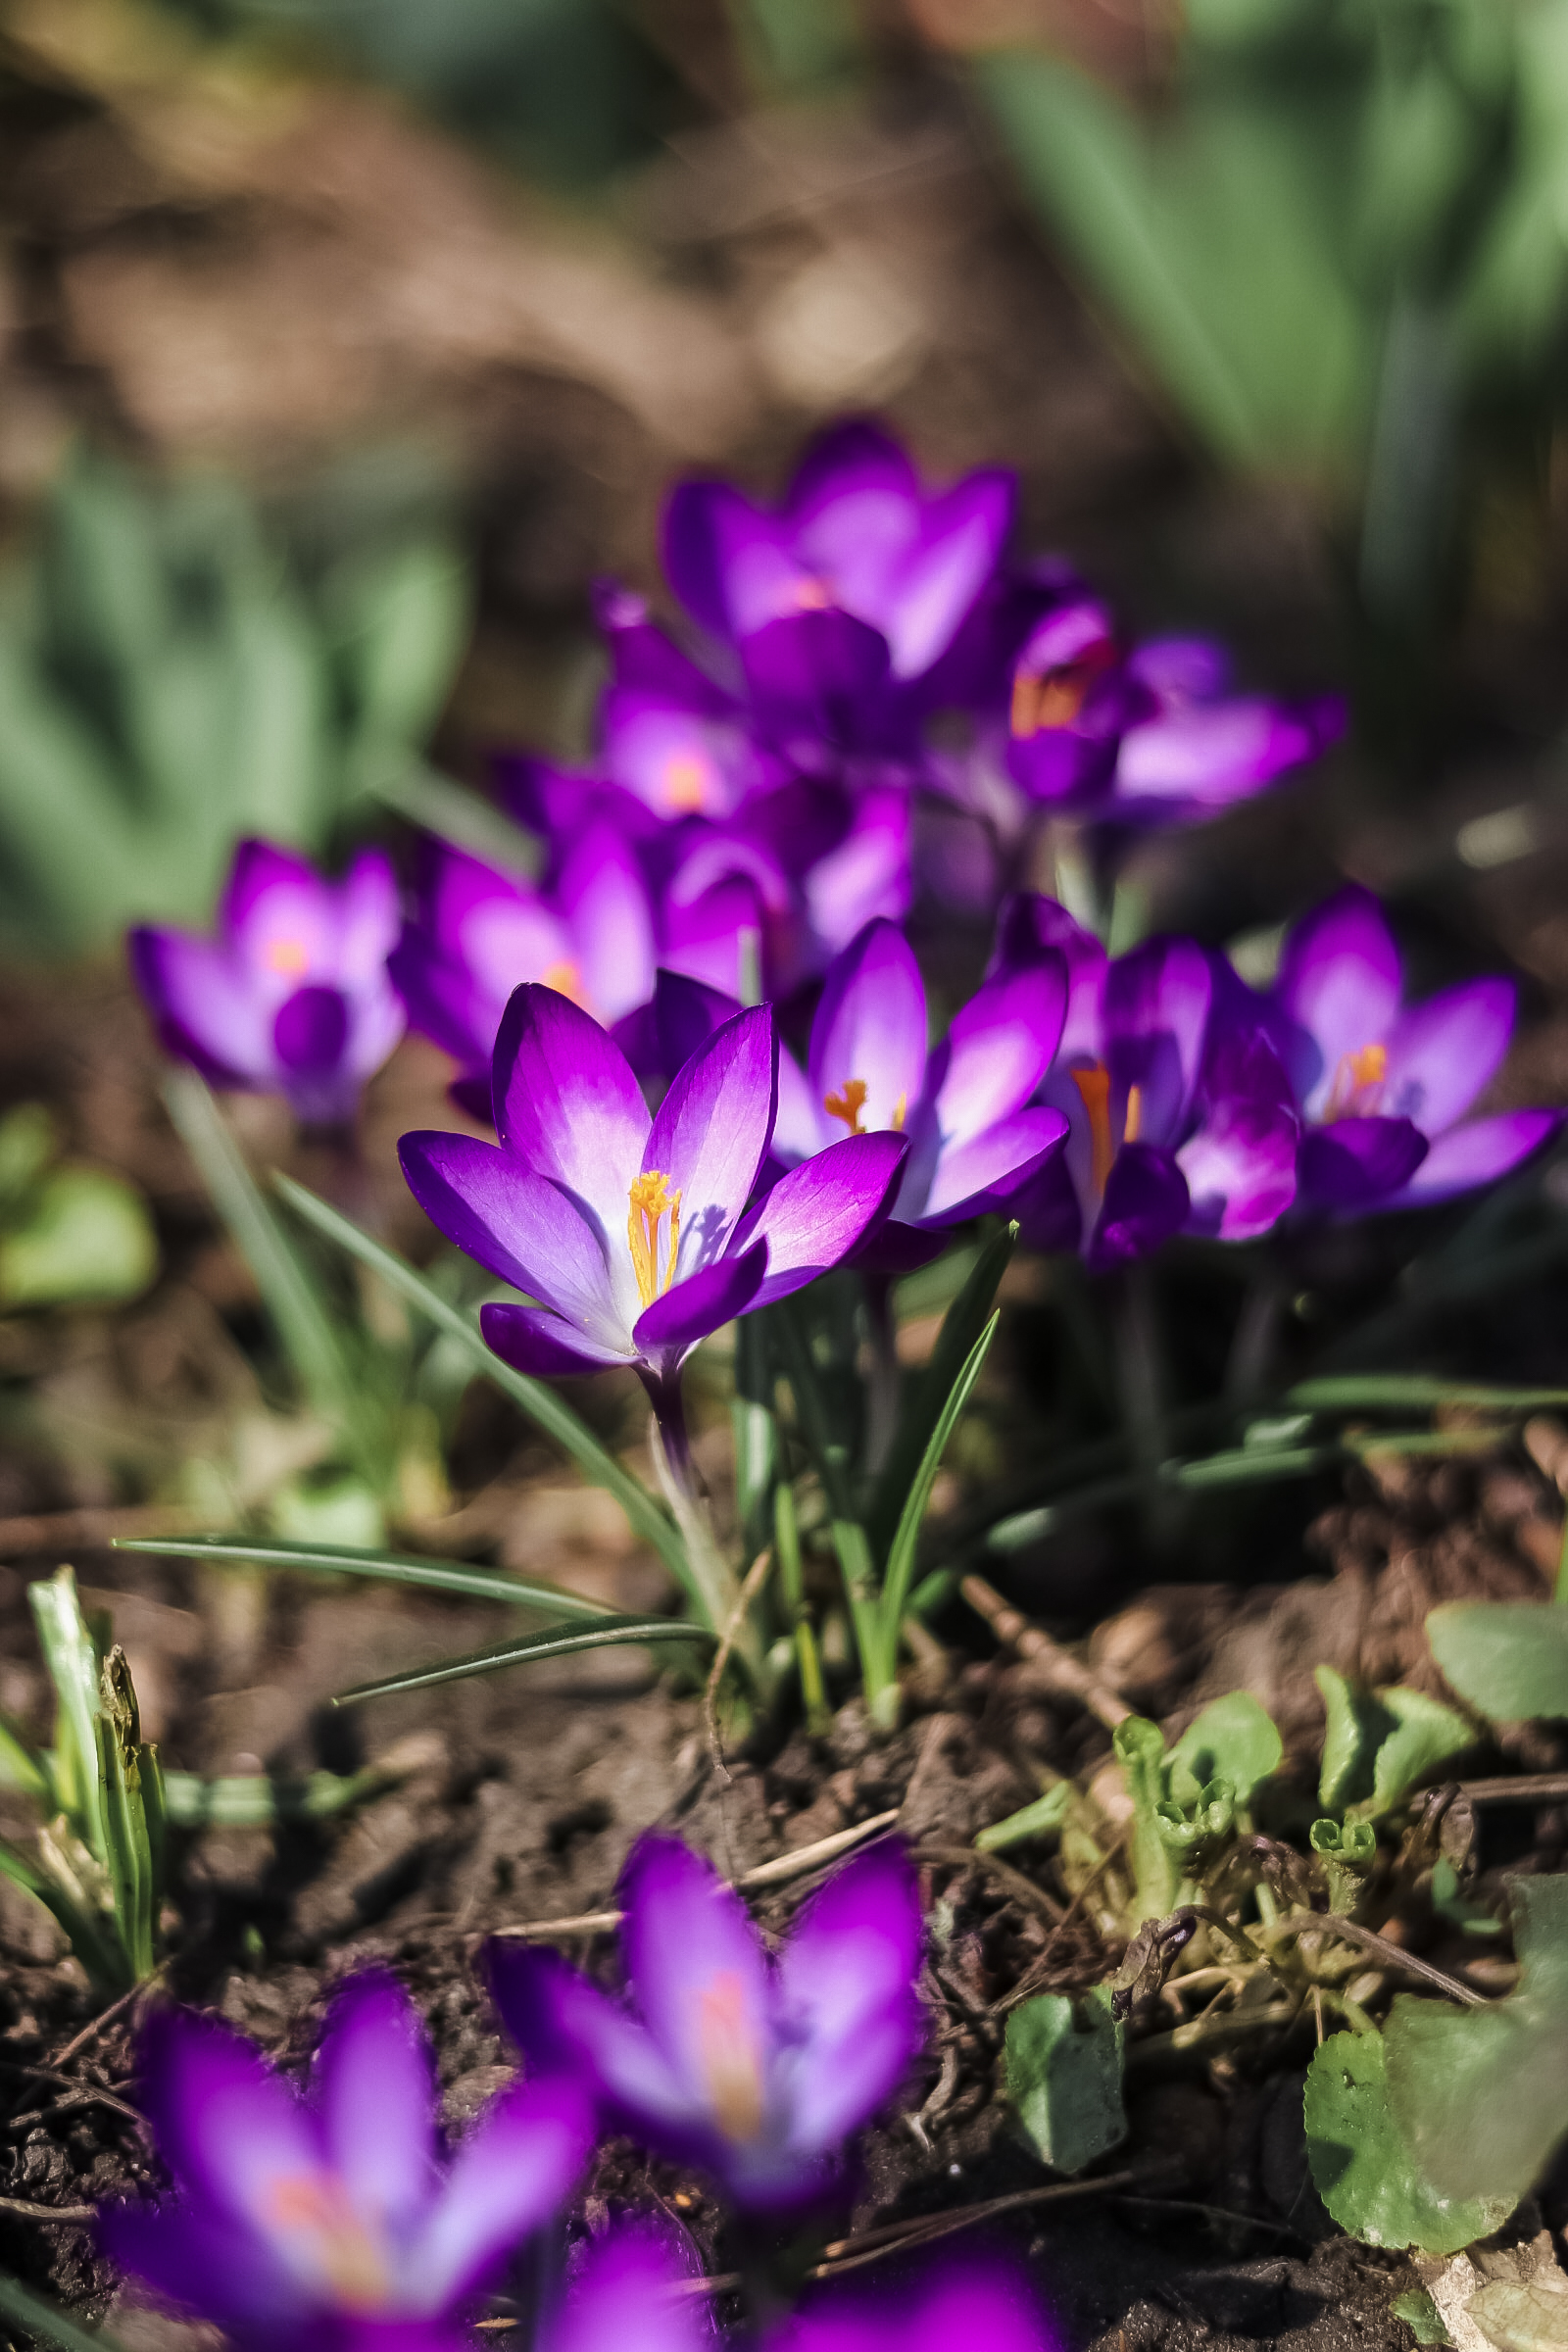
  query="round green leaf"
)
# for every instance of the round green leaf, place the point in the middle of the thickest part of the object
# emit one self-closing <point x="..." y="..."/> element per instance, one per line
<point x="1507" y="1658"/>
<point x="87" y="1240"/>
<point x="1362" y="2166"/>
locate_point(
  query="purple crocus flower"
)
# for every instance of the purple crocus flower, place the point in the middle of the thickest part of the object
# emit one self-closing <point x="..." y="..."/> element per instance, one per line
<point x="625" y="2289"/>
<point x="292" y="998"/>
<point x="955" y="2303"/>
<point x="755" y="2070"/>
<point x="478" y="933"/>
<point x="1178" y="1122"/>
<point x="1382" y="1087"/>
<point x="332" y="2223"/>
<point x="836" y="606"/>
<point x="633" y="1233"/>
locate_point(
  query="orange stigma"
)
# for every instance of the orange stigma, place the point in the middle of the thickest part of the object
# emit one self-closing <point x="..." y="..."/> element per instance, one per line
<point x="1054" y="698"/>
<point x="289" y="958"/>
<point x="1357" y="1081"/>
<point x="848" y="1106"/>
<point x="730" y="2059"/>
<point x="1093" y="1088"/>
<point x="652" y="1200"/>
<point x="566" y="979"/>
<point x="685" y="783"/>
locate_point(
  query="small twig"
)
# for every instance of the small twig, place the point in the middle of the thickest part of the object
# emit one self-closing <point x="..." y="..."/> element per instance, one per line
<point x="756" y="1579"/>
<point x="1524" y="1787"/>
<point x="104" y="2017"/>
<point x="1057" y="1667"/>
<point x="73" y="2216"/>
<point x="1214" y="2213"/>
<point x="777" y="1872"/>
<point x="1021" y="1889"/>
<point x="1205" y="2031"/>
<point x="1331" y="1923"/>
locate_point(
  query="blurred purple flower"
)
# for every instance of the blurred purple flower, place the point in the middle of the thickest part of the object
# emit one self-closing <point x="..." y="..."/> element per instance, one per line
<point x="954" y="2303"/>
<point x="635" y="1234"/>
<point x="292" y="997"/>
<point x="1178" y="1121"/>
<point x="756" y="2070"/>
<point x="624" y="2291"/>
<point x="479" y="933"/>
<point x="1384" y="1087"/>
<point x="332" y="2223"/>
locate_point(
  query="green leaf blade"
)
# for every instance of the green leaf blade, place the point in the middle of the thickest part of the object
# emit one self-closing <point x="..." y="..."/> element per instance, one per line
<point x="388" y="1567"/>
<point x="556" y="1642"/>
<point x="1510" y="1658"/>
<point x="1363" y="2167"/>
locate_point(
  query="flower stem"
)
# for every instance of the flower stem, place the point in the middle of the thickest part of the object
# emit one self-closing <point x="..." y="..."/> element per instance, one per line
<point x="882" y="1390"/>
<point x="711" y="1578"/>
<point x="787" y="1550"/>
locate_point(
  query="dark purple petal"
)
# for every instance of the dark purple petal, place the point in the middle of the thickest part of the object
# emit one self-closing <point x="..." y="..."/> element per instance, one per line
<point x="815" y="1216"/>
<point x="703" y="522"/>
<point x="686" y="1013"/>
<point x="990" y="1168"/>
<point x="445" y="1003"/>
<point x="1240" y="1165"/>
<point x="696" y="1971"/>
<point x="1478" y="1152"/>
<point x="376" y="2096"/>
<point x="1340" y="981"/>
<point x="1031" y="927"/>
<point x="999" y="1047"/>
<point x="1048" y="1209"/>
<point x="1156" y="1019"/>
<point x="513" y="2170"/>
<point x="625" y="2292"/>
<point x="957" y="2304"/>
<point x="206" y="1007"/>
<point x="566" y="2026"/>
<point x="568" y="1103"/>
<point x="847" y="467"/>
<point x="710" y="1133"/>
<point x="310" y="1031"/>
<point x="870" y="1028"/>
<point x="602" y="898"/>
<point x="1355" y="1164"/>
<point x="534" y="1341"/>
<point x="522" y="1229"/>
<point x="823" y="670"/>
<point x="228" y="2127"/>
<point x="1443" y="1053"/>
<point x="890" y="1247"/>
<point x="209" y="2264"/>
<point x="846" y="1986"/>
<point x="698" y="1304"/>
<point x="1146" y="1201"/>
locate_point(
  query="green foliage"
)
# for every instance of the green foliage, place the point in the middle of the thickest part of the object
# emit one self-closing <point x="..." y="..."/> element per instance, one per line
<point x="1036" y="1820"/>
<point x="1378" y="1745"/>
<point x="1186" y="1804"/>
<point x="1065" y="2071"/>
<point x="1347" y="1851"/>
<point x="170" y="685"/>
<point x="1482" y="2094"/>
<point x="1363" y="2166"/>
<point x="68" y="1235"/>
<point x="1234" y="1740"/>
<point x="1508" y="1658"/>
<point x="26" y="2310"/>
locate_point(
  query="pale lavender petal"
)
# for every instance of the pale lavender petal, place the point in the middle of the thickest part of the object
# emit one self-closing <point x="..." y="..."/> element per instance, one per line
<point x="228" y="2127"/>
<point x="377" y="1022"/>
<point x="625" y="2292"/>
<point x="939" y="579"/>
<point x="1340" y="981"/>
<point x="279" y="911"/>
<point x="566" y="2026"/>
<point x="855" y="482"/>
<point x="870" y="1027"/>
<point x="999" y="1047"/>
<point x="852" y="2017"/>
<point x="1478" y="1152"/>
<point x="534" y="1341"/>
<point x="1030" y="927"/>
<point x="520" y="1227"/>
<point x="1179" y="670"/>
<point x="376" y="2096"/>
<point x="816" y="1214"/>
<point x="696" y="1966"/>
<point x="712" y="939"/>
<point x="868" y="876"/>
<point x="802" y="1126"/>
<point x="568" y="1103"/>
<point x="1213" y="754"/>
<point x="710" y="1133"/>
<point x="682" y="762"/>
<point x="206" y="1009"/>
<point x="369" y="919"/>
<point x="1358" y="1163"/>
<point x="1146" y="1201"/>
<point x="1443" y="1053"/>
<point x="1156" y="1020"/>
<point x="603" y="900"/>
<point x="699" y="1303"/>
<point x="989" y="1168"/>
<point x="512" y="2171"/>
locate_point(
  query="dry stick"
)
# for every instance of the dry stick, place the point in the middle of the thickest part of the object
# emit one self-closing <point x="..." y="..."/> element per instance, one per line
<point x="1523" y="1787"/>
<point x="74" y="2216"/>
<point x="777" y="1872"/>
<point x="104" y="2017"/>
<point x="1023" y="1889"/>
<point x="756" y="1579"/>
<point x="1330" y="1923"/>
<point x="1058" y="1668"/>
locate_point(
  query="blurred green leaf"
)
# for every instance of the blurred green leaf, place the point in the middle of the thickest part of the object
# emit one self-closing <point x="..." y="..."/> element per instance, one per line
<point x="1508" y="1658"/>
<point x="1362" y="2166"/>
<point x="86" y="1240"/>
<point x="1380" y="1745"/>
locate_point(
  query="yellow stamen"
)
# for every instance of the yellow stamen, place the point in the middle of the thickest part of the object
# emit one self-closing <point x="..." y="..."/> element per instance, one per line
<point x="1135" y="1115"/>
<point x="1359" y="1075"/>
<point x="317" y="2205"/>
<point x="289" y="958"/>
<point x="1054" y="698"/>
<point x="848" y="1106"/>
<point x="651" y="1202"/>
<point x="899" y="1109"/>
<point x="730" y="2060"/>
<point x="685" y="782"/>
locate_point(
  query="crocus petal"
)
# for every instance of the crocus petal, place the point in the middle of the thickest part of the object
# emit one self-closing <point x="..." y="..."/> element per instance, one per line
<point x="534" y="1341"/>
<point x="936" y="585"/>
<point x="279" y="911"/>
<point x="228" y="2127"/>
<point x="209" y="2264"/>
<point x="603" y="900"/>
<point x="625" y="2290"/>
<point x="568" y="1103"/>
<point x="710" y="1133"/>
<point x="700" y="1304"/>
<point x="702" y="522"/>
<point x="1146" y="1201"/>
<point x="1213" y="754"/>
<point x="1178" y="671"/>
<point x="375" y="2094"/>
<point x="1240" y="1165"/>
<point x="987" y="1170"/>
<point x="686" y="1013"/>
<point x="1048" y="1209"/>
<point x="870" y="1027"/>
<point x="1478" y="1152"/>
<point x="1031" y="927"/>
<point x="869" y="874"/>
<point x="368" y="920"/>
<point x="847" y="1982"/>
<point x="696" y="1966"/>
<point x="310" y="1031"/>
<point x="1156" y="1018"/>
<point x="999" y="1047"/>
<point x="815" y="1216"/>
<point x="1441" y="1054"/>
<point x="1339" y="980"/>
<point x="1357" y="1162"/>
<point x="207" y="1010"/>
<point x="565" y="2026"/>
<point x="522" y="1229"/>
<point x="515" y="2169"/>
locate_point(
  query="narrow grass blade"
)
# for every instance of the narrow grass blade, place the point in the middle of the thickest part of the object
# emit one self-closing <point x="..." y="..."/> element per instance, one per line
<point x="1250" y="1465"/>
<point x="128" y="1841"/>
<point x="301" y="1321"/>
<point x="256" y="1799"/>
<point x="900" y="1571"/>
<point x="556" y="1642"/>
<point x="537" y="1400"/>
<point x="453" y="812"/>
<point x="73" y="1664"/>
<point x="388" y="1567"/>
<point x="1414" y="1392"/>
<point x="961" y="1325"/>
<point x="23" y="2309"/>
